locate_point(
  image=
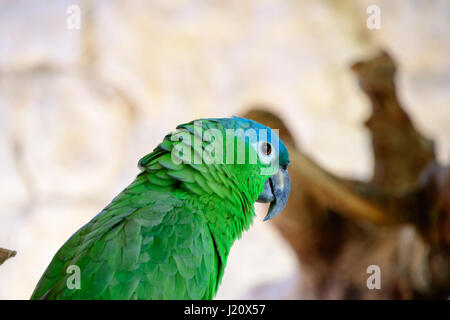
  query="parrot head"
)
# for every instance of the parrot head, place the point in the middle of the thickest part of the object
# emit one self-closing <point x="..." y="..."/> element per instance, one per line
<point x="237" y="154"/>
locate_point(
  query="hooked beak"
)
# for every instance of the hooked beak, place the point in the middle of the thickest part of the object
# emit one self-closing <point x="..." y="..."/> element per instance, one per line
<point x="276" y="191"/>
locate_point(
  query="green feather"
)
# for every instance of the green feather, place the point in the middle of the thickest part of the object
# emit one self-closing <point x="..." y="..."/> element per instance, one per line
<point x="168" y="234"/>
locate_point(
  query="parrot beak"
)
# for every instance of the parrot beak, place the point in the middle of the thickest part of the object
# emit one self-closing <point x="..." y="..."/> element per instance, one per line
<point x="276" y="191"/>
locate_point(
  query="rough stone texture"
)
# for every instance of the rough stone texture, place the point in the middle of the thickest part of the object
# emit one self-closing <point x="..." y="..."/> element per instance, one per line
<point x="78" y="108"/>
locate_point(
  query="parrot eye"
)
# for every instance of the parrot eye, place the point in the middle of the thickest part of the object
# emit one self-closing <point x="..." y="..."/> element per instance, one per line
<point x="266" y="148"/>
<point x="265" y="151"/>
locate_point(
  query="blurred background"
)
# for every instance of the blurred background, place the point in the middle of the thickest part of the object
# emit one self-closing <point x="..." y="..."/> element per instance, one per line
<point x="79" y="107"/>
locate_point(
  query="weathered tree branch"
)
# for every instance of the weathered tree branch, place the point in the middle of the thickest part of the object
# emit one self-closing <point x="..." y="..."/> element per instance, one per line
<point x="401" y="153"/>
<point x="337" y="194"/>
<point x="5" y="254"/>
<point x="333" y="192"/>
<point x="406" y="207"/>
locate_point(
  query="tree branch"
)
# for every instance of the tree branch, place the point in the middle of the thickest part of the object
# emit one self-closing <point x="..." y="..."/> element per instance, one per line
<point x="5" y="254"/>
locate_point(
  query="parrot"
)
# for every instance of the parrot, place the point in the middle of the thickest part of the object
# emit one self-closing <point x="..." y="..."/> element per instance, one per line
<point x="168" y="234"/>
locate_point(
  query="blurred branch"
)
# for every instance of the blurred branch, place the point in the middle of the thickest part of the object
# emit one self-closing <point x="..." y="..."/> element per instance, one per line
<point x="405" y="172"/>
<point x="331" y="191"/>
<point x="401" y="153"/>
<point x="5" y="254"/>
<point x="338" y="194"/>
<point x="407" y="204"/>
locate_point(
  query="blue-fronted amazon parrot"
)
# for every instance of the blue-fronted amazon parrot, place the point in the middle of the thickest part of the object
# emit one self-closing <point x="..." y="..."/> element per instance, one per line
<point x="168" y="234"/>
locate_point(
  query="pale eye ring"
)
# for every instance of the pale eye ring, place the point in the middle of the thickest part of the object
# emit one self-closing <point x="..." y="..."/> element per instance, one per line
<point x="266" y="148"/>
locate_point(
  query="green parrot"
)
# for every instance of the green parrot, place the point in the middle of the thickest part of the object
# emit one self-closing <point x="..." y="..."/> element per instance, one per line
<point x="168" y="234"/>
